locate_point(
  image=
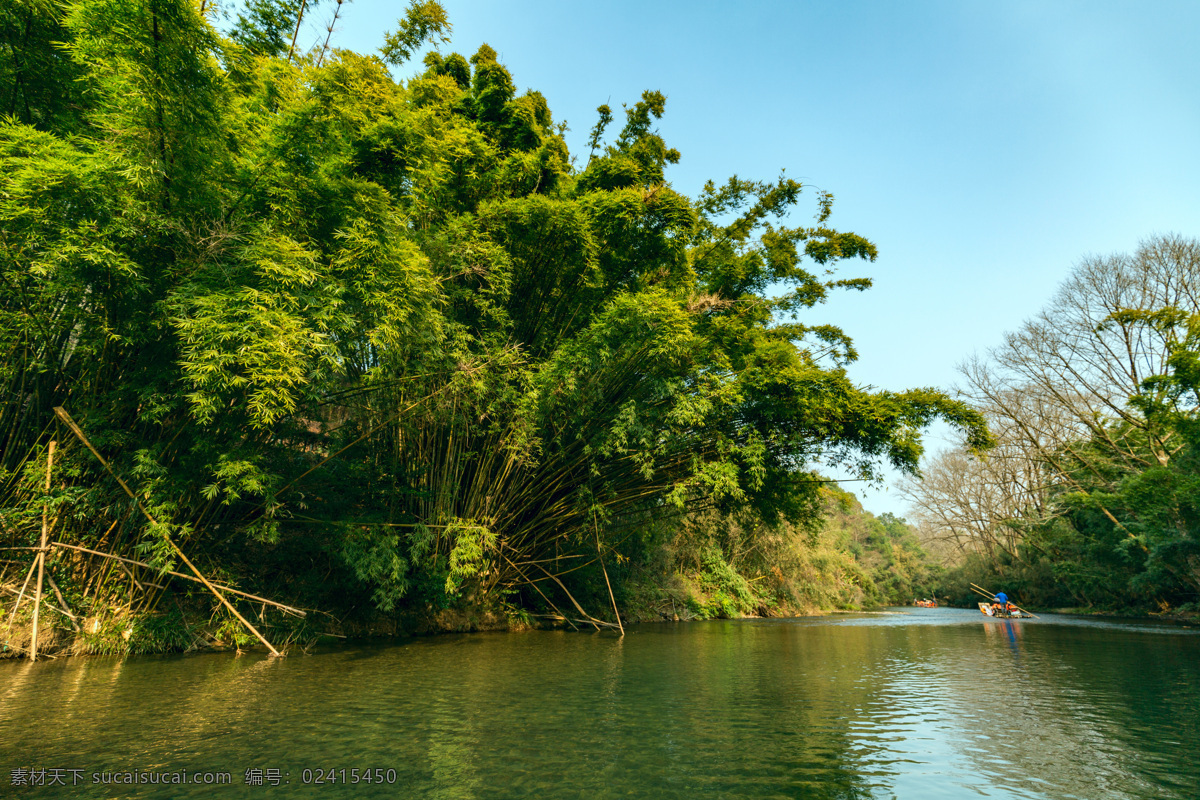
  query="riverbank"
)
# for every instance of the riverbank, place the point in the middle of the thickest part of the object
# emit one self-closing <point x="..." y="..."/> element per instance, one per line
<point x="705" y="566"/>
<point x="1177" y="616"/>
<point x="193" y="629"/>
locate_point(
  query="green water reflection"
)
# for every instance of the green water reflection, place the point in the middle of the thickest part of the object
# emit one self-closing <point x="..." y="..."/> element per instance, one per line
<point x="927" y="704"/>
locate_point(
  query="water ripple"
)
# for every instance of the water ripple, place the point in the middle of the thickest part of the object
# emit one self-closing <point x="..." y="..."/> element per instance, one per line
<point x="934" y="704"/>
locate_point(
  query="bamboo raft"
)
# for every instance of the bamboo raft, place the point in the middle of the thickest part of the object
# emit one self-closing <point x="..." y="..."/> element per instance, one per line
<point x="994" y="610"/>
<point x="1009" y="611"/>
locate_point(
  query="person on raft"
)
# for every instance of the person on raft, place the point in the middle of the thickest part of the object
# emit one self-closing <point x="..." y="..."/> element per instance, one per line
<point x="1000" y="602"/>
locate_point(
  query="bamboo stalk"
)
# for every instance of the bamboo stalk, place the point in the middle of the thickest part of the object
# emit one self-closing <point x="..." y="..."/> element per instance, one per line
<point x="66" y="610"/>
<point x="595" y="622"/>
<point x="980" y="590"/>
<point x="366" y="435"/>
<point x="600" y="558"/>
<point x="295" y="33"/>
<point x="96" y="577"/>
<point x="559" y="617"/>
<point x="70" y="423"/>
<point x="222" y="587"/>
<point x="982" y="593"/>
<point x="134" y="580"/>
<point x="41" y="556"/>
<point x="20" y="596"/>
<point x="539" y="591"/>
<point x="46" y="603"/>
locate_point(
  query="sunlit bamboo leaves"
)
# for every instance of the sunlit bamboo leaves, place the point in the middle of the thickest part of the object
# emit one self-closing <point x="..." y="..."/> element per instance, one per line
<point x="389" y="323"/>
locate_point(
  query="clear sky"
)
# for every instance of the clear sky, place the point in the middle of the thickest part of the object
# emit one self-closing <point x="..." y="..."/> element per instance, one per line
<point x="984" y="147"/>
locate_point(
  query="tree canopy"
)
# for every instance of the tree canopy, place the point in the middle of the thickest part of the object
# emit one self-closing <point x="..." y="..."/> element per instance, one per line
<point x="305" y="307"/>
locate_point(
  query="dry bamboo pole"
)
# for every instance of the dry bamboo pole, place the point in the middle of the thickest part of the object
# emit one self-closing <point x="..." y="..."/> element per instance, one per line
<point x="539" y="591"/>
<point x="573" y="621"/>
<point x="982" y="593"/>
<point x="359" y="522"/>
<point x="596" y="623"/>
<point x="134" y="580"/>
<point x="20" y="596"/>
<point x="70" y="423"/>
<point x="222" y="587"/>
<point x="93" y="576"/>
<point x="46" y="603"/>
<point x="600" y="558"/>
<point x="41" y="556"/>
<point x="66" y="609"/>
<point x="553" y="559"/>
<point x="575" y="568"/>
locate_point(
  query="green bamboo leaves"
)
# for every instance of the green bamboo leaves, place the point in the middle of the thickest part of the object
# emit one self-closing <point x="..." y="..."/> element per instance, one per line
<point x="390" y="324"/>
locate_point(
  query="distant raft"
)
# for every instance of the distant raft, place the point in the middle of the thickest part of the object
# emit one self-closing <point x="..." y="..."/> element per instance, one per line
<point x="925" y="603"/>
<point x="1000" y="611"/>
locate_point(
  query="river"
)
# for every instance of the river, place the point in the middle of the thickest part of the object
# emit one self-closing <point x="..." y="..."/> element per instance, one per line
<point x="924" y="703"/>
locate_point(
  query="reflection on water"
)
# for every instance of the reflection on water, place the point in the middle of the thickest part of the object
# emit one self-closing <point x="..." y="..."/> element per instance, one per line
<point x="929" y="703"/>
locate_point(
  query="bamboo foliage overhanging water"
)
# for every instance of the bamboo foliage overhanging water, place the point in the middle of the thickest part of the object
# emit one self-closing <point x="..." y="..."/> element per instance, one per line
<point x="361" y="345"/>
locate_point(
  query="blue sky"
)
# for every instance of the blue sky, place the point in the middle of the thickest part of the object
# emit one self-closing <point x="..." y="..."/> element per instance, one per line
<point x="984" y="147"/>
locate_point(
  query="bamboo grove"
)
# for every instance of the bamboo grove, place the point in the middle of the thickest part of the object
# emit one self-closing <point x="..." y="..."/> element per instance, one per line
<point x="367" y="342"/>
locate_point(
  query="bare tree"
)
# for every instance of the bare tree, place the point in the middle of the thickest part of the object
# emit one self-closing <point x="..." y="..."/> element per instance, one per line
<point x="969" y="502"/>
<point x="1056" y="394"/>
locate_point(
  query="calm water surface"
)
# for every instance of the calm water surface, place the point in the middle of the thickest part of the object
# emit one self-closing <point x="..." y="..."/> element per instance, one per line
<point x="929" y="703"/>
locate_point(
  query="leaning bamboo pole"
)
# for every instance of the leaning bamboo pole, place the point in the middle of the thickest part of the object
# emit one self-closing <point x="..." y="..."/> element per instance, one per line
<point x="600" y="558"/>
<point x="222" y="587"/>
<point x="75" y="429"/>
<point x="597" y="623"/>
<point x="41" y="556"/>
<point x="66" y="609"/>
<point x="46" y="603"/>
<point x="543" y="594"/>
<point x="20" y="596"/>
